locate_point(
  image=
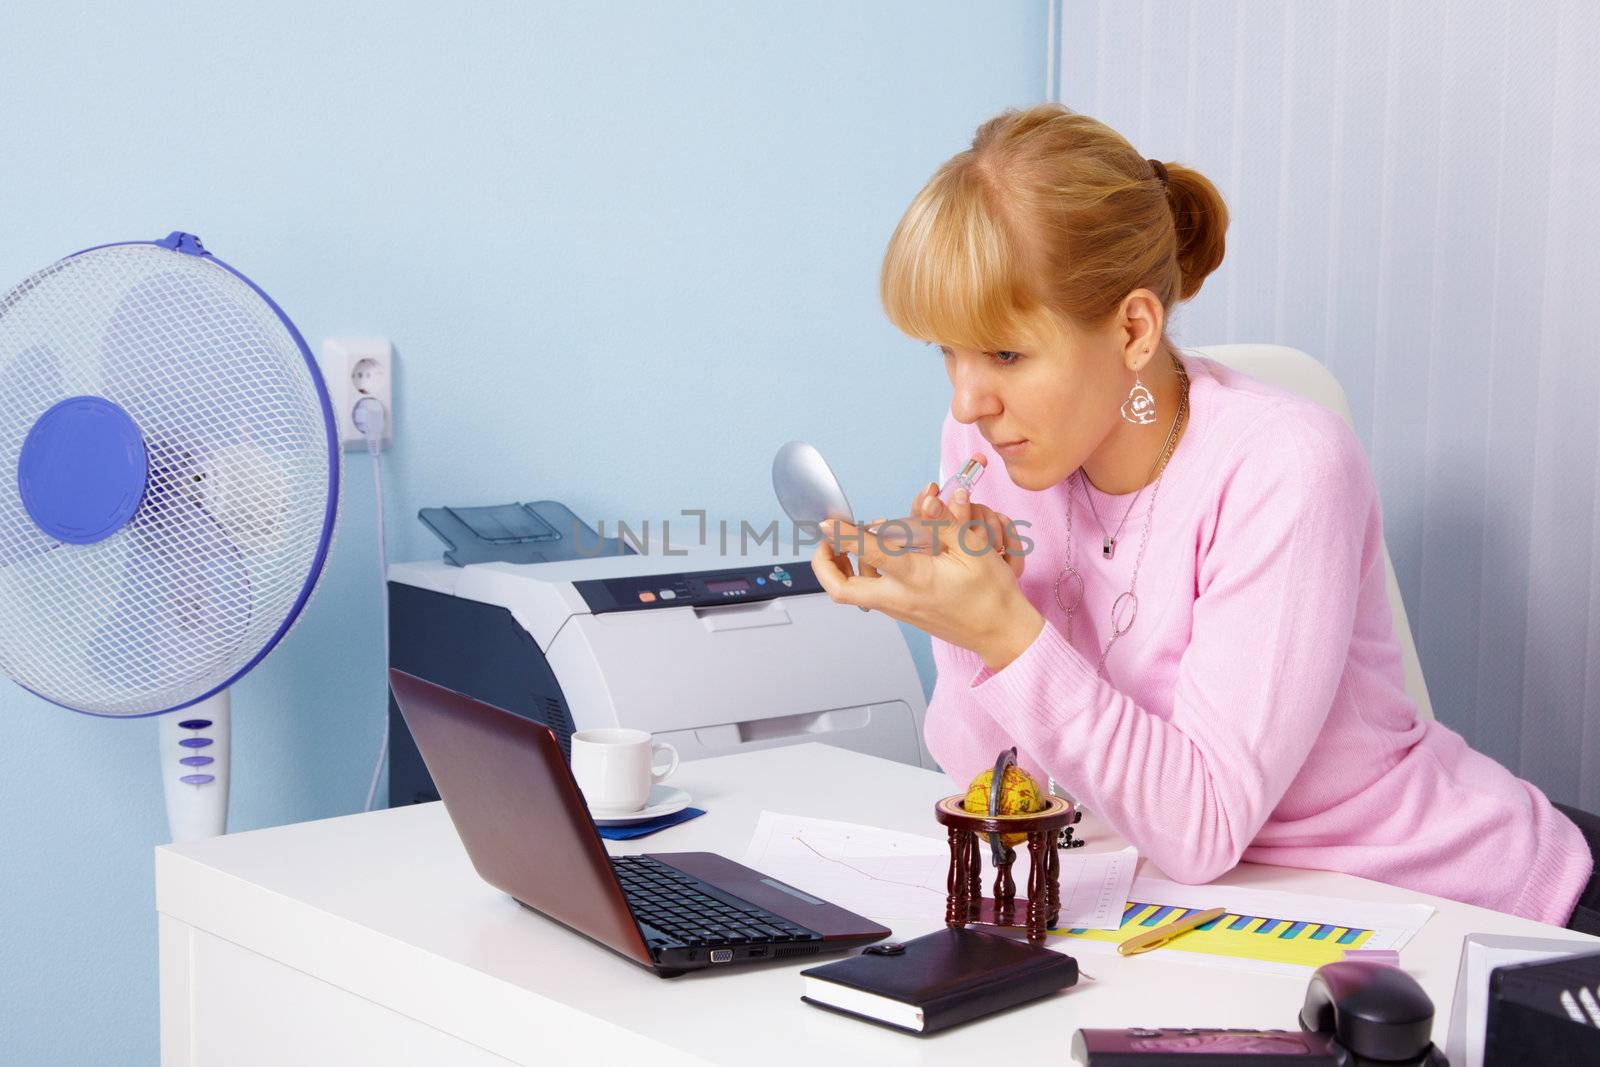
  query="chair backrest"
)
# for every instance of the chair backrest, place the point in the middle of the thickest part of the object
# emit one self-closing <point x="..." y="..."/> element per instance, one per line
<point x="1292" y="370"/>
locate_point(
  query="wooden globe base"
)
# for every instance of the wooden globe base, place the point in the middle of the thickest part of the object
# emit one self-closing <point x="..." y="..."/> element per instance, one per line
<point x="965" y="904"/>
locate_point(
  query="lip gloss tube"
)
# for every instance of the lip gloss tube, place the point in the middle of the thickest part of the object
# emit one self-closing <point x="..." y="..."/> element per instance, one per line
<point x="965" y="478"/>
<point x="921" y="538"/>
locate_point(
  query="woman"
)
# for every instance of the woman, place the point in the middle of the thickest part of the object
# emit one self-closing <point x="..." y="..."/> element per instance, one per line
<point x="1193" y="638"/>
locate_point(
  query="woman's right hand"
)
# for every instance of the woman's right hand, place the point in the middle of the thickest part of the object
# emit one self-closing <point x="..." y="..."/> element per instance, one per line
<point x="1002" y="529"/>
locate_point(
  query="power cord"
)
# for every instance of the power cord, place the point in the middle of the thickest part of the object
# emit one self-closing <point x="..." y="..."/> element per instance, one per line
<point x="369" y="419"/>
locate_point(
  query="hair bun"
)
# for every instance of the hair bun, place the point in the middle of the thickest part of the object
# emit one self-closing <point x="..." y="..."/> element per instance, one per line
<point x="1202" y="225"/>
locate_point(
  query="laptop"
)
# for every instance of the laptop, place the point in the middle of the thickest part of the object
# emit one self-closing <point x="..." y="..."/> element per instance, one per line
<point x="526" y="827"/>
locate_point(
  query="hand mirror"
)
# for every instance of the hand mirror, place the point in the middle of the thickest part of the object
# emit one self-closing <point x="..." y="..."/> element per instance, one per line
<point x="806" y="487"/>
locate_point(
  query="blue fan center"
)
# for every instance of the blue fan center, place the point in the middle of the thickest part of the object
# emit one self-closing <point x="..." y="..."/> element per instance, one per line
<point x="83" y="470"/>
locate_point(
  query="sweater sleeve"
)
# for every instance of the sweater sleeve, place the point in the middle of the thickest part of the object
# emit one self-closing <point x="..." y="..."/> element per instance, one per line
<point x="1279" y="568"/>
<point x="962" y="739"/>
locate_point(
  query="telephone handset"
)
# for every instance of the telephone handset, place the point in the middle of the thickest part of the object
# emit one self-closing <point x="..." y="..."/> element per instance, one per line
<point x="1377" y="1013"/>
<point x="1356" y="1014"/>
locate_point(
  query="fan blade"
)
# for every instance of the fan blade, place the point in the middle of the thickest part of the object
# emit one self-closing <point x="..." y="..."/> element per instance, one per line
<point x="164" y="331"/>
<point x="181" y="609"/>
<point x="31" y="383"/>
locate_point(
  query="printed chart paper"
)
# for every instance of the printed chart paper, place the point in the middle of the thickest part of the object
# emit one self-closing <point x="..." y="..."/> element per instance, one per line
<point x="887" y="875"/>
<point x="1264" y="930"/>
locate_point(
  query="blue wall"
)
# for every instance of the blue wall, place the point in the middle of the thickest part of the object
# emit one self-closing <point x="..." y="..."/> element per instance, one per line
<point x="623" y="251"/>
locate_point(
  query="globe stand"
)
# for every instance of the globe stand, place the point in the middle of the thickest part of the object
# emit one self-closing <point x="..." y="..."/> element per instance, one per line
<point x="965" y="904"/>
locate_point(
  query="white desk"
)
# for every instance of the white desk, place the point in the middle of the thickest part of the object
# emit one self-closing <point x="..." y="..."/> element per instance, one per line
<point x="369" y="939"/>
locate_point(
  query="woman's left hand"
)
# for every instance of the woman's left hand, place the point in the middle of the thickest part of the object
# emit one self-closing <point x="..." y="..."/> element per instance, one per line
<point x="965" y="592"/>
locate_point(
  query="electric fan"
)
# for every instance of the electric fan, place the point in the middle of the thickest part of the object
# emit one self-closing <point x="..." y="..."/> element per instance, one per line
<point x="176" y="486"/>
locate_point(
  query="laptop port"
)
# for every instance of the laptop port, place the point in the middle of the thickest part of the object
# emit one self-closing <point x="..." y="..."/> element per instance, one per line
<point x="721" y="955"/>
<point x="757" y="953"/>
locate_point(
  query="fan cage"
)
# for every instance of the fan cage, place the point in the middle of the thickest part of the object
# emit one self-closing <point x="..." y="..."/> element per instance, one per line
<point x="226" y="549"/>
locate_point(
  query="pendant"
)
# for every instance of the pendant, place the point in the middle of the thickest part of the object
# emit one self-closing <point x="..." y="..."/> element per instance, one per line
<point x="1109" y="547"/>
<point x="1123" y="613"/>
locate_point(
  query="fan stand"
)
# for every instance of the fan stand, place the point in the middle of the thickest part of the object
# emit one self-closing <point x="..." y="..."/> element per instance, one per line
<point x="196" y="790"/>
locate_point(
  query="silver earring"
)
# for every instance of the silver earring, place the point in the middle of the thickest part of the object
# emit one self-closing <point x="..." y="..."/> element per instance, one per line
<point x="1140" y="407"/>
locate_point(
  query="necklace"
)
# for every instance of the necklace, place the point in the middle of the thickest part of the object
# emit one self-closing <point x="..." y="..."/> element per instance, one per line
<point x="1108" y="544"/>
<point x="1125" y="609"/>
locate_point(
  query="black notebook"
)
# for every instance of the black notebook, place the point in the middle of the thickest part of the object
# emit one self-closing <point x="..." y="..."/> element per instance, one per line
<point x="939" y="980"/>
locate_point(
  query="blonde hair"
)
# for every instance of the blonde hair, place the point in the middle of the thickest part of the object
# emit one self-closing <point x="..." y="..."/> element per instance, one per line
<point x="1047" y="209"/>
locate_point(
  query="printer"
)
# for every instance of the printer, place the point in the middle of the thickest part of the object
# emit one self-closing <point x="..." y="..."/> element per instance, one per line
<point x="709" y="653"/>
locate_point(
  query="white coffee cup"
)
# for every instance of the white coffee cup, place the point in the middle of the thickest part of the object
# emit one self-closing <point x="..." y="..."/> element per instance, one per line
<point x="615" y="768"/>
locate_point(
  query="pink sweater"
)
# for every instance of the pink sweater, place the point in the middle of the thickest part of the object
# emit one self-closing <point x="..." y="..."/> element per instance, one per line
<point x="1256" y="709"/>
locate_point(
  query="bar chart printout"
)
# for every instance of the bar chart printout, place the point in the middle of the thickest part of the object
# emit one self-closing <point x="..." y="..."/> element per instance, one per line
<point x="1263" y="930"/>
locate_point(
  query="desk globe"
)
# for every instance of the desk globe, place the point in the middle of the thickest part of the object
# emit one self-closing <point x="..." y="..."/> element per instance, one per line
<point x="1052" y="815"/>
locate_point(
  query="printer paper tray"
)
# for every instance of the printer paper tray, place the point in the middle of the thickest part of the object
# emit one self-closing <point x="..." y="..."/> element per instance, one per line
<point x="887" y="729"/>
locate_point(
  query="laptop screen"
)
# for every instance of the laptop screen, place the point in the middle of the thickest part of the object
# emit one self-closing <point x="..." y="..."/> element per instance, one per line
<point x="519" y="813"/>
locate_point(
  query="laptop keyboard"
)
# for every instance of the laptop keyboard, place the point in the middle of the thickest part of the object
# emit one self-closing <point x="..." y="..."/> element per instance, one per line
<point x="672" y="903"/>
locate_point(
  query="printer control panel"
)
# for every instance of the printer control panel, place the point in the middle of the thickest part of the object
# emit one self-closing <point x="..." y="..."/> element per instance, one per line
<point x="698" y="589"/>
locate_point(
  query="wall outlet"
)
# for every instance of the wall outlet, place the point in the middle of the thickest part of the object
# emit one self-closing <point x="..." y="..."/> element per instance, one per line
<point x="356" y="368"/>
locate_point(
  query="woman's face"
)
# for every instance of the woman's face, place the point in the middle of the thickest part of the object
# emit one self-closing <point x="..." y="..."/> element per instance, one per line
<point x="1046" y="405"/>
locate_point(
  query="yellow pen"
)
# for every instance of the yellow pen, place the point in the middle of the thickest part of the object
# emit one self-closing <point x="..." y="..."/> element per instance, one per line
<point x="1166" y="932"/>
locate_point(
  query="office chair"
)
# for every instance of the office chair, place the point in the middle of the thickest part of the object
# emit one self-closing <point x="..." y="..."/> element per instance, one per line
<point x="1292" y="370"/>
